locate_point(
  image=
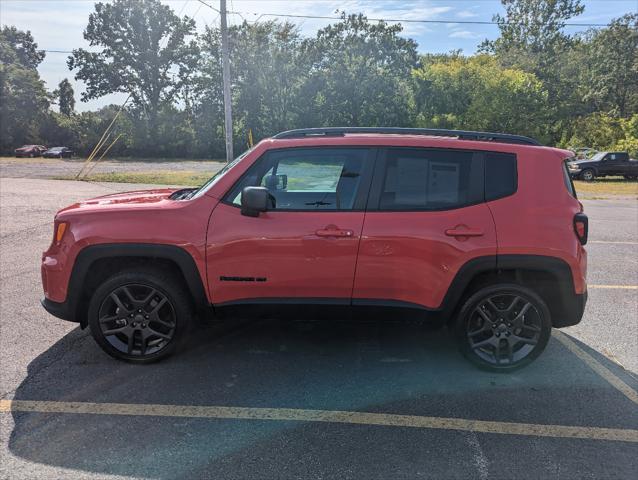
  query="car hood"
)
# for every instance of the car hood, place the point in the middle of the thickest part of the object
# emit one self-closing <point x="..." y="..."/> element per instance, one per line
<point x="125" y="200"/>
<point x="581" y="162"/>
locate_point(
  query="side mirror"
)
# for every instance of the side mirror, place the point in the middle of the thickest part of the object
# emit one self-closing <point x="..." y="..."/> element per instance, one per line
<point x="254" y="200"/>
<point x="276" y="182"/>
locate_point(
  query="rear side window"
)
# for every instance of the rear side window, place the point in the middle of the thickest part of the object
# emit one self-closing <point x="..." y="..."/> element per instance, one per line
<point x="428" y="179"/>
<point x="501" y="176"/>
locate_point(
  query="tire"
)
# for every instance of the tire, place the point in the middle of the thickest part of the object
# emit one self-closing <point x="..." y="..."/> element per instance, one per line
<point x="631" y="177"/>
<point x="146" y="311"/>
<point x="503" y="337"/>
<point x="587" y="175"/>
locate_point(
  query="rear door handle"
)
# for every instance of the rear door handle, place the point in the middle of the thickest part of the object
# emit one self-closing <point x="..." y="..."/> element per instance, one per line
<point x="334" y="232"/>
<point x="463" y="232"/>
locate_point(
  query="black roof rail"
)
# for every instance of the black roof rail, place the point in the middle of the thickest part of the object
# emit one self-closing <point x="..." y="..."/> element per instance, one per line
<point x="460" y="134"/>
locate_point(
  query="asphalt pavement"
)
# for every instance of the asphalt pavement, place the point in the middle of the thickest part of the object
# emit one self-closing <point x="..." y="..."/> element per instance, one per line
<point x="308" y="399"/>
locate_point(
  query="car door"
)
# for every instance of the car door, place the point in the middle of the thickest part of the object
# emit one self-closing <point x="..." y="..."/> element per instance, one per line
<point x="610" y="164"/>
<point x="426" y="218"/>
<point x="304" y="248"/>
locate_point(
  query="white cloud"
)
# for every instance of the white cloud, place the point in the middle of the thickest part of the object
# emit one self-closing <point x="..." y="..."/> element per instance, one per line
<point x="463" y="34"/>
<point x="466" y="14"/>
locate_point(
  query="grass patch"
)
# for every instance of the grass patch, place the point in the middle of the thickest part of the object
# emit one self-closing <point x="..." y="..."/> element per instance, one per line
<point x="609" y="186"/>
<point x="186" y="178"/>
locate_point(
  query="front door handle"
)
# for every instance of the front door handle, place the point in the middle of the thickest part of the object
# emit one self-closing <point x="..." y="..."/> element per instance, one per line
<point x="464" y="232"/>
<point x="333" y="231"/>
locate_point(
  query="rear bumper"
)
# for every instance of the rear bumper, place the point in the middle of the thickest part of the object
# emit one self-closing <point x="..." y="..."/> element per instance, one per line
<point x="573" y="310"/>
<point x="59" y="310"/>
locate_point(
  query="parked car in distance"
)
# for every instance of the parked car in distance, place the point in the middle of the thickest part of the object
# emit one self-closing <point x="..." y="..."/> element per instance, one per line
<point x="58" y="152"/>
<point x="604" y="164"/>
<point x="375" y="222"/>
<point x="30" y="151"/>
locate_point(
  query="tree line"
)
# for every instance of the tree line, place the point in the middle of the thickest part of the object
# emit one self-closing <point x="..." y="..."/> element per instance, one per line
<point x="534" y="79"/>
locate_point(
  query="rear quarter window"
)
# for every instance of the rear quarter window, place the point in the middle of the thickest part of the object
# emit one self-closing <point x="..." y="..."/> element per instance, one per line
<point x="569" y="184"/>
<point x="501" y="175"/>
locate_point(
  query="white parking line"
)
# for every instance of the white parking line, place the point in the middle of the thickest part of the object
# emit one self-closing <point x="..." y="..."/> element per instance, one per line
<point x="597" y="367"/>
<point x="613" y="242"/>
<point x="614" y="287"/>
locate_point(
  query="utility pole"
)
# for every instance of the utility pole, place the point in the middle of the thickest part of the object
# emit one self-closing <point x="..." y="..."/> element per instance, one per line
<point x="228" y="115"/>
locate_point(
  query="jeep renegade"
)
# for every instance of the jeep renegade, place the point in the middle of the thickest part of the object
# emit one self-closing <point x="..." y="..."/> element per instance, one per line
<point x="481" y="230"/>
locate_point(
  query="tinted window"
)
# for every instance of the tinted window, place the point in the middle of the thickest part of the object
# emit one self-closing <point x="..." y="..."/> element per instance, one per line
<point x="308" y="178"/>
<point x="501" y="177"/>
<point x="423" y="179"/>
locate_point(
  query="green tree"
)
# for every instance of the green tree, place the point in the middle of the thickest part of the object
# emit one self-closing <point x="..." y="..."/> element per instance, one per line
<point x="19" y="47"/>
<point x="23" y="97"/>
<point x="359" y="74"/>
<point x="65" y="97"/>
<point x="533" y="26"/>
<point x="146" y="52"/>
<point x="532" y="39"/>
<point x="477" y="93"/>
<point x="611" y="76"/>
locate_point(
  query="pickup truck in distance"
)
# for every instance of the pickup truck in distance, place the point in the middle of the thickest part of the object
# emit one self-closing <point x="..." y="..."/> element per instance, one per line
<point x="603" y="164"/>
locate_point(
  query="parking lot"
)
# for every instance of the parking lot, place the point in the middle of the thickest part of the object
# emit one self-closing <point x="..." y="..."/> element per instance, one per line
<point x="308" y="399"/>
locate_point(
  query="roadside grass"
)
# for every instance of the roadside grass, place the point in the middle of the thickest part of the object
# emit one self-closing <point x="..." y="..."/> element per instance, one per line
<point x="604" y="187"/>
<point x="9" y="159"/>
<point x="160" y="177"/>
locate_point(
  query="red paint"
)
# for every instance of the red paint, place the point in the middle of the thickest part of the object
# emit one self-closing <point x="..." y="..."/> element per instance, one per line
<point x="408" y="256"/>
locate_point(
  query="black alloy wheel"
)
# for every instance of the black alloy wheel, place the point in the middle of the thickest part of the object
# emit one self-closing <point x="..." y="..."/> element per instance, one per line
<point x="502" y="328"/>
<point x="587" y="175"/>
<point x="139" y="316"/>
<point x="137" y="319"/>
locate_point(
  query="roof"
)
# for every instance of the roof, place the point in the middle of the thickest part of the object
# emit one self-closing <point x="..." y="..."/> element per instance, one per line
<point x="458" y="134"/>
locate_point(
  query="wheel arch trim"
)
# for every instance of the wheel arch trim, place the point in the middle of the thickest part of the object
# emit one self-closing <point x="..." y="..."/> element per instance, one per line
<point x="92" y="253"/>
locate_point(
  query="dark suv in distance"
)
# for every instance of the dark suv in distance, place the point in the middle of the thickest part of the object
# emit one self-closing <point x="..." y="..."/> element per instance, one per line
<point x="604" y="164"/>
<point x="481" y="230"/>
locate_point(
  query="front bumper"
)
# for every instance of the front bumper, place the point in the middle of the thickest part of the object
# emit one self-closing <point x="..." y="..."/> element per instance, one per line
<point x="58" y="309"/>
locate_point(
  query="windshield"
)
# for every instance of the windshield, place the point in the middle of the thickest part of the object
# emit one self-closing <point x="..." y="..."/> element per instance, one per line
<point x="215" y="178"/>
<point x="598" y="156"/>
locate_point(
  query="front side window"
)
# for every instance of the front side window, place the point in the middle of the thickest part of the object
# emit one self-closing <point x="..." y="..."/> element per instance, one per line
<point x="307" y="178"/>
<point x="428" y="179"/>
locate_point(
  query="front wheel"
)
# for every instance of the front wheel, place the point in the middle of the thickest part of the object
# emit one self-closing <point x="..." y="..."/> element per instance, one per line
<point x="503" y="327"/>
<point x="140" y="316"/>
<point x="588" y="175"/>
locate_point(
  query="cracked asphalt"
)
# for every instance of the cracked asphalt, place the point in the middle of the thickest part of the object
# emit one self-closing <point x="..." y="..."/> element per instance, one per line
<point x="378" y="367"/>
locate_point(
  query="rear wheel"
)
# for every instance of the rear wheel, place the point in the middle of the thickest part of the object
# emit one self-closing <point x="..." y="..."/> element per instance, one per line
<point x="588" y="175"/>
<point x="503" y="327"/>
<point x="140" y="316"/>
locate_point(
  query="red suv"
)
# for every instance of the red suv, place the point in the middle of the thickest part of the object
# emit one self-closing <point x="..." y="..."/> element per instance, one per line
<point x="480" y="229"/>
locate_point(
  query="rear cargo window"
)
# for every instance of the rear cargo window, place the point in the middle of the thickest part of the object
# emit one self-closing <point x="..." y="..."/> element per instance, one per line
<point x="501" y="177"/>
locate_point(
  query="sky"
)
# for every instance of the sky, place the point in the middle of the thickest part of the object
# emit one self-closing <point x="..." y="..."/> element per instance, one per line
<point x="59" y="25"/>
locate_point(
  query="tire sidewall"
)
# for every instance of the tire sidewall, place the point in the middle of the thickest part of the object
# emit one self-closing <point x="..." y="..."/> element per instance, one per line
<point x="176" y="295"/>
<point x="472" y="302"/>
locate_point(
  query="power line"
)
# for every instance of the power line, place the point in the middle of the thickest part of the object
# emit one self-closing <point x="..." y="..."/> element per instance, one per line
<point x="209" y="6"/>
<point x="406" y="20"/>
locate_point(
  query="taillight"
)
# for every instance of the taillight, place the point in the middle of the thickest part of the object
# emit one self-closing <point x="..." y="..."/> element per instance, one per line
<point x="581" y="227"/>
